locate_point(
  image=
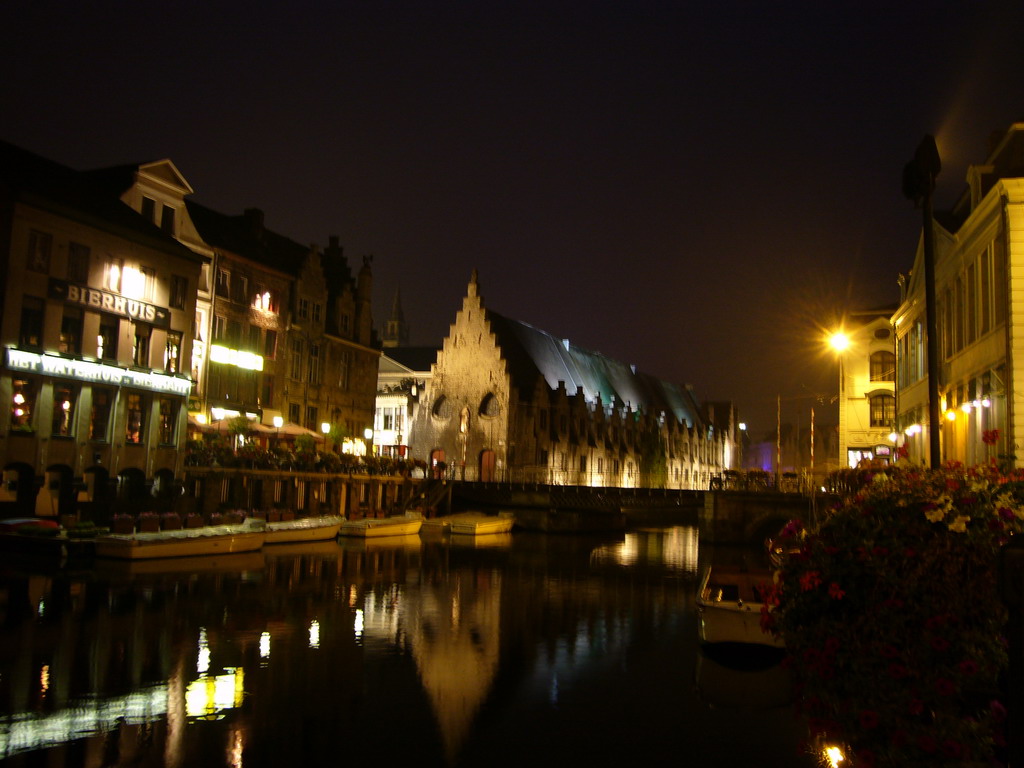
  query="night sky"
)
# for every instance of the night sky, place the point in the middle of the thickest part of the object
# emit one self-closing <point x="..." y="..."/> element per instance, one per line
<point x="698" y="189"/>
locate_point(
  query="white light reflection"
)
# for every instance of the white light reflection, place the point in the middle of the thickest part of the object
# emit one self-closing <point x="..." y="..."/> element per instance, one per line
<point x="314" y="634"/>
<point x="41" y="609"/>
<point x="675" y="548"/>
<point x="265" y="645"/>
<point x="359" y="625"/>
<point x="203" y="660"/>
<point x="834" y="756"/>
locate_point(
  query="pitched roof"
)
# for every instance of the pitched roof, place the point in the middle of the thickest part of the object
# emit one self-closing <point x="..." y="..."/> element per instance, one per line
<point x="531" y="352"/>
<point x="245" y="236"/>
<point x="80" y="196"/>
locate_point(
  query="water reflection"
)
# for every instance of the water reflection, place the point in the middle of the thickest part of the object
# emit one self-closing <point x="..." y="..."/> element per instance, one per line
<point x="518" y="648"/>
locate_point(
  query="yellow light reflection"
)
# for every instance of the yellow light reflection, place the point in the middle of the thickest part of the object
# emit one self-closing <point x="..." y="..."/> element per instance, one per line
<point x="359" y="624"/>
<point x="44" y="679"/>
<point x="208" y="697"/>
<point x="834" y="756"/>
<point x="203" y="660"/>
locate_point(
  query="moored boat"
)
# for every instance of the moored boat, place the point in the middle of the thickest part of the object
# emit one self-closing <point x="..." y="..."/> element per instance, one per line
<point x="187" y="542"/>
<point x="318" y="528"/>
<point x="399" y="525"/>
<point x="479" y="524"/>
<point x="729" y="604"/>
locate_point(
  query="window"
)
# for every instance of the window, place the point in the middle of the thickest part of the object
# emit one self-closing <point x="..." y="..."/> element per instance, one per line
<point x="316" y="312"/>
<point x="270" y="344"/>
<point x="148" y="209"/>
<point x="234" y="333"/>
<point x="40" y="244"/>
<point x="220" y="327"/>
<point x="140" y="349"/>
<point x="168" y="420"/>
<point x="583" y="463"/>
<point x="135" y="431"/>
<point x="167" y="219"/>
<point x="344" y="324"/>
<point x="172" y="352"/>
<point x="223" y="287"/>
<point x="296" y="361"/>
<point x="241" y="289"/>
<point x="179" y="291"/>
<point x="148" y="283"/>
<point x="23" y="401"/>
<point x="314" y="364"/>
<point x="294" y="413"/>
<point x="112" y="271"/>
<point x="106" y="340"/>
<point x="71" y="332"/>
<point x="99" y="419"/>
<point x="64" y="398"/>
<point x="254" y="339"/>
<point x="263" y="300"/>
<point x="30" y="333"/>
<point x="303" y="309"/>
<point x="267" y="392"/>
<point x="344" y="369"/>
<point x="311" y="413"/>
<point x="78" y="263"/>
<point x="883" y="410"/>
<point x="883" y="366"/>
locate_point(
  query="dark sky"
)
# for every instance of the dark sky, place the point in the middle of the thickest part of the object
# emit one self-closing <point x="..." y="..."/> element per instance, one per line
<point x="697" y="189"/>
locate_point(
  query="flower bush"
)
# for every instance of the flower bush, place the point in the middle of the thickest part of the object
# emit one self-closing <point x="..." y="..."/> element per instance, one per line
<point x="892" y="618"/>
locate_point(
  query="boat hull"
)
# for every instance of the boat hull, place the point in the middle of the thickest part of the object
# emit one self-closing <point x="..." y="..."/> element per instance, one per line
<point x="481" y="525"/>
<point x="304" y="529"/>
<point x="729" y="607"/>
<point x="387" y="526"/>
<point x="213" y="540"/>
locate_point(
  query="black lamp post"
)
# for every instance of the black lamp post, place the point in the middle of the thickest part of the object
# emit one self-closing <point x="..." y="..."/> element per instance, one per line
<point x="918" y="185"/>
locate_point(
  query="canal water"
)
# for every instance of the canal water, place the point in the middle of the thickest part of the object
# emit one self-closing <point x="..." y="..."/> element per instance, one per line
<point x="513" y="650"/>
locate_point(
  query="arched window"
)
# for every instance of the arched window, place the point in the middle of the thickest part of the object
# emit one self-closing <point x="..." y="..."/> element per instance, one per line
<point x="489" y="406"/>
<point x="442" y="408"/>
<point x="883" y="366"/>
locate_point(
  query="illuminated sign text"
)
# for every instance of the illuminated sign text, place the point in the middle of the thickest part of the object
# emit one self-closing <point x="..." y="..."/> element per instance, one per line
<point x="95" y="373"/>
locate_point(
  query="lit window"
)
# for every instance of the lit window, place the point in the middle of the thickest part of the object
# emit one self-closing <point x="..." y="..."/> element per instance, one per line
<point x="23" y="400"/>
<point x="168" y="420"/>
<point x="135" y="422"/>
<point x="172" y="352"/>
<point x="112" y="275"/>
<point x="883" y="366"/>
<point x="64" y="399"/>
<point x="883" y="410"/>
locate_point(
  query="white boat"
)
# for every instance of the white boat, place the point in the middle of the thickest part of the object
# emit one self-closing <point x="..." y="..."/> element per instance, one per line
<point x="729" y="606"/>
<point x="318" y="528"/>
<point x="187" y="542"/>
<point x="372" y="527"/>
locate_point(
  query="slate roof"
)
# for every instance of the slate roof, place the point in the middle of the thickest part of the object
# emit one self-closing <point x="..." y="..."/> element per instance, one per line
<point x="531" y="352"/>
<point x="413" y="358"/>
<point x="79" y="196"/>
<point x="245" y="236"/>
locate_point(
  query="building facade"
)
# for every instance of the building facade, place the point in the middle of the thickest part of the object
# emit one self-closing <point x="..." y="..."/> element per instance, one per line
<point x="509" y="402"/>
<point x="979" y="274"/>
<point x="867" y="389"/>
<point x="98" y="303"/>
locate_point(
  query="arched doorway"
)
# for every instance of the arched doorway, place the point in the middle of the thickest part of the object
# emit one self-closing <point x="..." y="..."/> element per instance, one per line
<point x="437" y="463"/>
<point x="487" y="466"/>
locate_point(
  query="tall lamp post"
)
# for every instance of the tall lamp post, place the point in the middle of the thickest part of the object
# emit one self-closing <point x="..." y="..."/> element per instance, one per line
<point x="840" y="342"/>
<point x="918" y="185"/>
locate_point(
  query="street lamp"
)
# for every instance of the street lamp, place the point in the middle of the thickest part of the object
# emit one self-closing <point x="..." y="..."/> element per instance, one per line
<point x="325" y="428"/>
<point x="840" y="342"/>
<point x="368" y="434"/>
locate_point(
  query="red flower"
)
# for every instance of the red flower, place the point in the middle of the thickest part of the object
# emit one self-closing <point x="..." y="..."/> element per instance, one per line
<point x="945" y="687"/>
<point x="953" y="749"/>
<point x="968" y="667"/>
<point x="915" y="707"/>
<point x="940" y="644"/>
<point x="927" y="743"/>
<point x="898" y="671"/>
<point x="835" y="591"/>
<point x="810" y="580"/>
<point x="888" y="651"/>
<point x="990" y="436"/>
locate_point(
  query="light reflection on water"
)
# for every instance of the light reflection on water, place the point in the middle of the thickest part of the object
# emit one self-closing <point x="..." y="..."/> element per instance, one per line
<point x="518" y="649"/>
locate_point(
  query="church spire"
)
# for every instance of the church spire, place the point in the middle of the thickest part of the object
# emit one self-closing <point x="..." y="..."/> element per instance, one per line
<point x="396" y="331"/>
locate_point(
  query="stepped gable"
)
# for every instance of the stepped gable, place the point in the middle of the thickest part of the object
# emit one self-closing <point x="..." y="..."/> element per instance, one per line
<point x="531" y="352"/>
<point x="246" y="236"/>
<point x="80" y="196"/>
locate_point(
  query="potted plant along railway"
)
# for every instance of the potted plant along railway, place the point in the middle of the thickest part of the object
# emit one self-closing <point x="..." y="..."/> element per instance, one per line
<point x="892" y="617"/>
